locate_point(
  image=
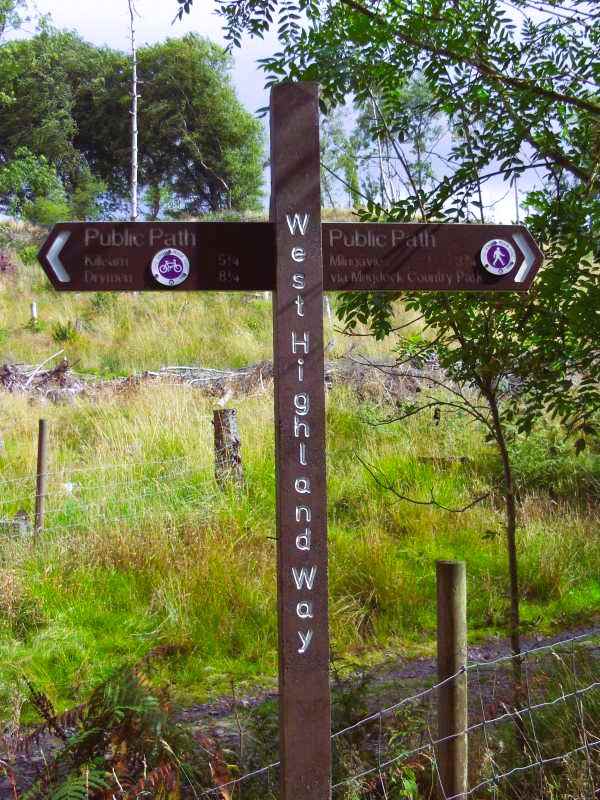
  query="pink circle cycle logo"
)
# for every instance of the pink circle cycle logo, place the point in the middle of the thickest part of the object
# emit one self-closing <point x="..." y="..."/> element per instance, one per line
<point x="170" y="267"/>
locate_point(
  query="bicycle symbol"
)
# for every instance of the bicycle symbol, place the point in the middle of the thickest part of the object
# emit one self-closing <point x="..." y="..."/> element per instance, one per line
<point x="170" y="265"/>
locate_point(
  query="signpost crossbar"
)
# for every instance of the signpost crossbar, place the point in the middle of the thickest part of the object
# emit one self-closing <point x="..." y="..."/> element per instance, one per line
<point x="232" y="256"/>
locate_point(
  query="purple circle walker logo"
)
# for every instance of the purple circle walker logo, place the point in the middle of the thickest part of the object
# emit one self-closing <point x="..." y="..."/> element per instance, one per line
<point x="498" y="257"/>
<point x="170" y="267"/>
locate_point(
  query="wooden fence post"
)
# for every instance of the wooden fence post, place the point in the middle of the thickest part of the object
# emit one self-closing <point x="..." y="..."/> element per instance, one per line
<point x="452" y="754"/>
<point x="42" y="478"/>
<point x="228" y="457"/>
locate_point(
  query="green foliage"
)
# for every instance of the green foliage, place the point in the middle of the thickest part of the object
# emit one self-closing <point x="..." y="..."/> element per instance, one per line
<point x="10" y="16"/>
<point x="68" y="106"/>
<point x="28" y="254"/>
<point x="563" y="726"/>
<point x="47" y="211"/>
<point x="63" y="332"/>
<point x="35" y="326"/>
<point x="516" y="99"/>
<point x="187" y="98"/>
<point x="30" y="186"/>
<point x="545" y="459"/>
<point x="124" y="742"/>
<point x="37" y="73"/>
<point x="340" y="154"/>
<point x="218" y="161"/>
<point x="85" y="200"/>
<point x="161" y="201"/>
<point x="132" y="492"/>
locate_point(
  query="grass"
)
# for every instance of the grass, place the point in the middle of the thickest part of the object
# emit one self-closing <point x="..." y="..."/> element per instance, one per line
<point x="108" y="335"/>
<point x="143" y="549"/>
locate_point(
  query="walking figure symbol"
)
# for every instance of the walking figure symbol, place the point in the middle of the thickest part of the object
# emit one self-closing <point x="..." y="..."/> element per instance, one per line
<point x="499" y="257"/>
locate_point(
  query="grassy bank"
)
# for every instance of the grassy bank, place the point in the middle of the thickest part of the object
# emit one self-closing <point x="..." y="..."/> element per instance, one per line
<point x="142" y="549"/>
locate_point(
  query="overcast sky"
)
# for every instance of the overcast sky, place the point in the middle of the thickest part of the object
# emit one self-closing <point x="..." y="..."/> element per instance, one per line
<point x="107" y="22"/>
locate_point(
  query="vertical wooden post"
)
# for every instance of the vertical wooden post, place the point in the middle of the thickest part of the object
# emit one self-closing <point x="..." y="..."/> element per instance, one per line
<point x="42" y="478"/>
<point x="34" y="314"/>
<point x="304" y="695"/>
<point x="451" y="658"/>
<point x="228" y="458"/>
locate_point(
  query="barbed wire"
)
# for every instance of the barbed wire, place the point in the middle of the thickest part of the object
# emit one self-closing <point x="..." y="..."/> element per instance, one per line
<point x="74" y="498"/>
<point x="542" y="762"/>
<point x="430" y="747"/>
<point x="31" y="477"/>
<point x="111" y="511"/>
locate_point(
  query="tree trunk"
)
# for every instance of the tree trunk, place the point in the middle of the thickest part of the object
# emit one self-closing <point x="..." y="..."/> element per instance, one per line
<point x="228" y="458"/>
<point x="511" y="531"/>
<point x="134" y="117"/>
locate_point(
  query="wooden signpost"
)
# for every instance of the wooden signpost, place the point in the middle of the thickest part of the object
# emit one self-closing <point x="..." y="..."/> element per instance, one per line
<point x="298" y="258"/>
<point x="240" y="256"/>
<point x="300" y="444"/>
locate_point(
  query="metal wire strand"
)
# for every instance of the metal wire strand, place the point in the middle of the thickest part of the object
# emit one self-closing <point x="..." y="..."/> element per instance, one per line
<point x="492" y="783"/>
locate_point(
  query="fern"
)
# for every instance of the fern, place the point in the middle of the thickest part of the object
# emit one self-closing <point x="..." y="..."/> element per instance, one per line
<point x="122" y="743"/>
<point x="81" y="787"/>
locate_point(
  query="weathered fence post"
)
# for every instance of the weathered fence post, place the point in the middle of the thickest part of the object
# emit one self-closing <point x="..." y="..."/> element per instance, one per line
<point x="34" y="313"/>
<point x="42" y="478"/>
<point x="452" y="696"/>
<point x="228" y="457"/>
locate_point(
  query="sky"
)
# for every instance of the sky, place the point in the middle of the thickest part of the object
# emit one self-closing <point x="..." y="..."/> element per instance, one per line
<point x="106" y="22"/>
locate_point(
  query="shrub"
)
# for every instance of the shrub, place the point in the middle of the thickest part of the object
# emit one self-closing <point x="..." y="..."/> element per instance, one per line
<point x="64" y="332"/>
<point x="28" y="253"/>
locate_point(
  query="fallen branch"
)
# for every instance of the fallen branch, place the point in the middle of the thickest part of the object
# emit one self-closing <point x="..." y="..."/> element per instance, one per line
<point x="385" y="484"/>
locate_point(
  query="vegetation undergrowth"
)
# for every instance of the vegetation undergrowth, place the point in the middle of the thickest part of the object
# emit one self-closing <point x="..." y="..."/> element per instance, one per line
<point x="142" y="549"/>
<point x="111" y="335"/>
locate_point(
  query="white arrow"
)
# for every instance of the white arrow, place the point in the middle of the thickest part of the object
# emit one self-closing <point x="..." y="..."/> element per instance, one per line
<point x="528" y="260"/>
<point x="54" y="260"/>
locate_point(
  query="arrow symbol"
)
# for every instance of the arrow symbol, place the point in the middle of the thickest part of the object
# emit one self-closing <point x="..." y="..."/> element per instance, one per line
<point x="528" y="257"/>
<point x="54" y="257"/>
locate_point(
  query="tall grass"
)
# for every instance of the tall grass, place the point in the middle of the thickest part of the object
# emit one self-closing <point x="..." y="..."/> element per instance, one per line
<point x="111" y="335"/>
<point x="142" y="548"/>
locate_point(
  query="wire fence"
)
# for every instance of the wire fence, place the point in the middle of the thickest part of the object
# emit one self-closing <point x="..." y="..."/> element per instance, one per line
<point x="95" y="497"/>
<point x="539" y="739"/>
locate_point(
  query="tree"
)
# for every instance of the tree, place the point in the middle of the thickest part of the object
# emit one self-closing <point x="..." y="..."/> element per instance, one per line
<point x="521" y="99"/>
<point x="528" y="95"/>
<point x="189" y="102"/>
<point x="30" y="187"/>
<point x="10" y="15"/>
<point x="37" y="79"/>
<point x="196" y="142"/>
<point x="69" y="102"/>
<point x="340" y="159"/>
<point x="134" y="114"/>
<point x="401" y="129"/>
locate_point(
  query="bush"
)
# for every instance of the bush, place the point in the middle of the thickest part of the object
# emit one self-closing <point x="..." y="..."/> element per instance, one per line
<point x="28" y="253"/>
<point x="64" y="332"/>
<point x="47" y="211"/>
